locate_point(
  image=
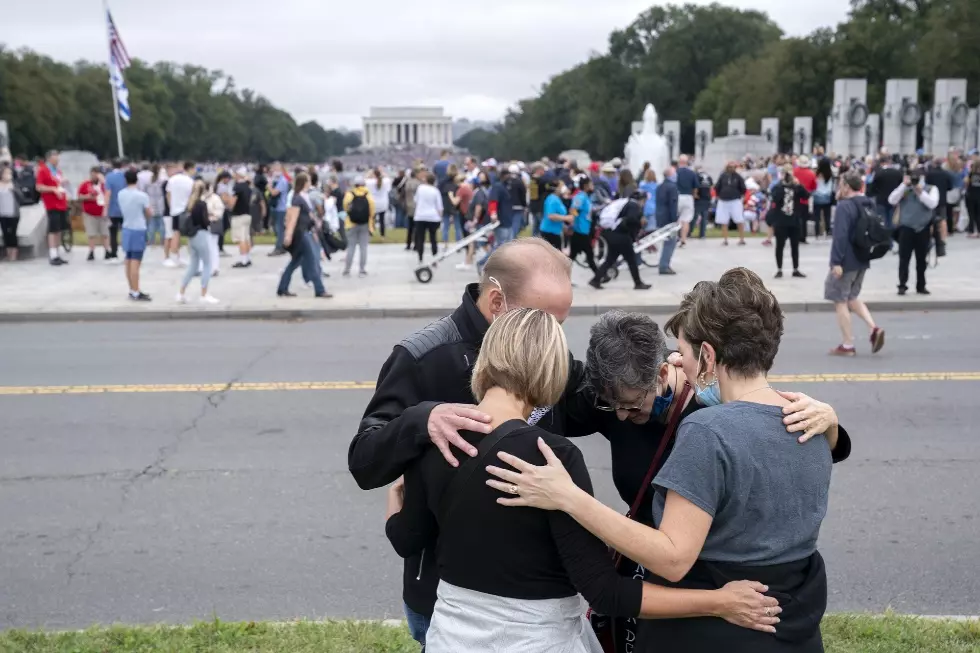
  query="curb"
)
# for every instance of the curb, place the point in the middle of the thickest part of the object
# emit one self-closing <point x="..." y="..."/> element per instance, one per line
<point x="285" y="314"/>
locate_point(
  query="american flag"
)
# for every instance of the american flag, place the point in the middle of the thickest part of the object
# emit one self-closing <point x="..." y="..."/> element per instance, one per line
<point x="117" y="51"/>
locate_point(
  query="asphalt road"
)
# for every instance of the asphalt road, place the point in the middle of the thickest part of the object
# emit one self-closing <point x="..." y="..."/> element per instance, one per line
<point x="149" y="506"/>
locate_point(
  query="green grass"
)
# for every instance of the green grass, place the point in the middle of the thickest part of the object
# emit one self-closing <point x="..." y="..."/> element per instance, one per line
<point x="842" y="634"/>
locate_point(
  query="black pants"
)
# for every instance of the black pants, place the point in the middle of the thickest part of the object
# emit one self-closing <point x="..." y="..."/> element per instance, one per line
<point x="973" y="209"/>
<point x="554" y="239"/>
<point x="380" y="217"/>
<point x="411" y="232"/>
<point x="225" y="226"/>
<point x="8" y="227"/>
<point x="821" y="215"/>
<point x="583" y="243"/>
<point x="618" y="244"/>
<point x="910" y="241"/>
<point x="421" y="228"/>
<point x="115" y="225"/>
<point x="803" y="225"/>
<point x="792" y="234"/>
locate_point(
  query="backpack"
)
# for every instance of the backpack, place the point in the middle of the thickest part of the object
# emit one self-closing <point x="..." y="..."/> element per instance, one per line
<point x="871" y="238"/>
<point x="609" y="215"/>
<point x="186" y="224"/>
<point x="360" y="209"/>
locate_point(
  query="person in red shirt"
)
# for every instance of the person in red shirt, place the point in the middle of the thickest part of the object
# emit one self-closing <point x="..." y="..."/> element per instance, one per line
<point x="55" y="199"/>
<point x="808" y="179"/>
<point x="92" y="195"/>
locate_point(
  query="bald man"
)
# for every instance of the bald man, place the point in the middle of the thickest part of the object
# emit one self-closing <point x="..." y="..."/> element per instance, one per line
<point x="423" y="393"/>
<point x="687" y="183"/>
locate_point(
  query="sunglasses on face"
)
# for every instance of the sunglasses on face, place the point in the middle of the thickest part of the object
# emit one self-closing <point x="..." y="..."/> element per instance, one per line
<point x="614" y="406"/>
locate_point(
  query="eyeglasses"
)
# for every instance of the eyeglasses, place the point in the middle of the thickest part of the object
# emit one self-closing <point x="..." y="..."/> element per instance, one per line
<point x="612" y="407"/>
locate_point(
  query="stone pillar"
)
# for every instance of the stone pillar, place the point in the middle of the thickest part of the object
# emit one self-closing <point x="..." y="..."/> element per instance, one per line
<point x="367" y="134"/>
<point x="802" y="134"/>
<point x="901" y="115"/>
<point x="770" y="130"/>
<point x="736" y="126"/>
<point x="703" y="135"/>
<point x="449" y="133"/>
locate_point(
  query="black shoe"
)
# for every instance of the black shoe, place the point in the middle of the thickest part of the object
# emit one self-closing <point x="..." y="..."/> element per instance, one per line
<point x="595" y="284"/>
<point x="324" y="295"/>
<point x="642" y="286"/>
<point x="607" y="279"/>
<point x="922" y="291"/>
<point x="56" y="261"/>
<point x="277" y="252"/>
<point x="668" y="271"/>
<point x="779" y="274"/>
<point x="286" y="294"/>
<point x="326" y="274"/>
<point x="63" y="261"/>
<point x="91" y="256"/>
<point x="242" y="265"/>
<point x="140" y="297"/>
<point x="798" y="274"/>
<point x="902" y="291"/>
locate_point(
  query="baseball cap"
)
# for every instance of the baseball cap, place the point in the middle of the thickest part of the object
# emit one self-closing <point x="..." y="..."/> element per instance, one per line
<point x="359" y="180"/>
<point x="514" y="169"/>
<point x="242" y="171"/>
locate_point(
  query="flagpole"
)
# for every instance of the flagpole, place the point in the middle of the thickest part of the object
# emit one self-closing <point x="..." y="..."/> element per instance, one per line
<point x="112" y="84"/>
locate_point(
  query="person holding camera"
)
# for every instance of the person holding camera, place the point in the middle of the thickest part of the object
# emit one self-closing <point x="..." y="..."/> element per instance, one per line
<point x="915" y="204"/>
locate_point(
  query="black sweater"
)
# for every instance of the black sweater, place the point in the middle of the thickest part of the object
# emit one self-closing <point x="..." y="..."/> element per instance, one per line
<point x="519" y="553"/>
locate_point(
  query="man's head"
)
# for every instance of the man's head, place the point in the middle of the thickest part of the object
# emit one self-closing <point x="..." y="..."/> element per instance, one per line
<point x="444" y="154"/>
<point x="359" y="180"/>
<point x="682" y="161"/>
<point x="852" y="184"/>
<point x="94" y="174"/>
<point x="52" y="157"/>
<point x="526" y="273"/>
<point x="241" y="173"/>
<point x="131" y="178"/>
<point x="189" y="168"/>
<point x="670" y="173"/>
<point x="626" y="364"/>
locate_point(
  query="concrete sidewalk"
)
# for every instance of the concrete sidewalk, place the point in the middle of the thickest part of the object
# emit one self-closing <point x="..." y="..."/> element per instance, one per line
<point x="34" y="290"/>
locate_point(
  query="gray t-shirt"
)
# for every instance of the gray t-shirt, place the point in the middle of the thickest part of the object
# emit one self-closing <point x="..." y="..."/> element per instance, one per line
<point x="133" y="203"/>
<point x="766" y="492"/>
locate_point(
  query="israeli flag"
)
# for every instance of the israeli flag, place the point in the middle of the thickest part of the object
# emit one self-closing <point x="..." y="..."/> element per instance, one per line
<point x="122" y="93"/>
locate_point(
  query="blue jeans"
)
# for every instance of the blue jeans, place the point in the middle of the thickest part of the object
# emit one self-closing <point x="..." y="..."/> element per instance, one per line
<point x="701" y="210"/>
<point x="279" y="225"/>
<point x="302" y="256"/>
<point x="315" y="245"/>
<point x="667" y="251"/>
<point x="418" y="624"/>
<point x="536" y="224"/>
<point x="200" y="250"/>
<point x="401" y="218"/>
<point x="501" y="235"/>
<point x="452" y="217"/>
<point x="154" y="227"/>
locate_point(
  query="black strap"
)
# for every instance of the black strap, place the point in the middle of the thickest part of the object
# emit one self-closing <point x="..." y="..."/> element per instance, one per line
<point x="450" y="496"/>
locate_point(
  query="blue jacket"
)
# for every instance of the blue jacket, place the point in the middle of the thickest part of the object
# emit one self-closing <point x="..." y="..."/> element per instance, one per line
<point x="667" y="195"/>
<point x="842" y="251"/>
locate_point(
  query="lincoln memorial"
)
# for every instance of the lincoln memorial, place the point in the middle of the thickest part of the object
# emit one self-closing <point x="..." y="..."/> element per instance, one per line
<point x="407" y="126"/>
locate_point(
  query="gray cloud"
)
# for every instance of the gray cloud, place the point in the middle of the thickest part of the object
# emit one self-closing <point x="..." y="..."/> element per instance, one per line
<point x="329" y="60"/>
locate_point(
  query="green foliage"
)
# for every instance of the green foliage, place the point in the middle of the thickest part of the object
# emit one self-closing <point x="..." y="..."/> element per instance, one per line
<point x="178" y="112"/>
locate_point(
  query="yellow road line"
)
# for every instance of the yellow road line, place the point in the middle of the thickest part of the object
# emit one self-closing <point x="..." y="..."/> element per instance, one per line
<point x="290" y="386"/>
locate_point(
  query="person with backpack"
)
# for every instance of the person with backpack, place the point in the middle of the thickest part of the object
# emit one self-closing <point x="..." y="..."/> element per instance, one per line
<point x="621" y="221"/>
<point x="860" y="235"/>
<point x="359" y="206"/>
<point x="915" y="204"/>
<point x="730" y="190"/>
<point x="195" y="225"/>
<point x="408" y="190"/>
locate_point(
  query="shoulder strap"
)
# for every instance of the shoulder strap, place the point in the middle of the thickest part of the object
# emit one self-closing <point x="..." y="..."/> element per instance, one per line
<point x="450" y="496"/>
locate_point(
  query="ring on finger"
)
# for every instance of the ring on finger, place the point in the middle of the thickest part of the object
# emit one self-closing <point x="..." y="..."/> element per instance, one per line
<point x="768" y="612"/>
<point x="514" y="489"/>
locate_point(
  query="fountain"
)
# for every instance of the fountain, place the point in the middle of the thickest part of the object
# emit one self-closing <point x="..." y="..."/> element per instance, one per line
<point x="647" y="145"/>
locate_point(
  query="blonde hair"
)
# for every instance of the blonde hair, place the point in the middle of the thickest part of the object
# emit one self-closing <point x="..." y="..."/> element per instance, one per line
<point x="525" y="353"/>
<point x="649" y="175"/>
<point x="197" y="193"/>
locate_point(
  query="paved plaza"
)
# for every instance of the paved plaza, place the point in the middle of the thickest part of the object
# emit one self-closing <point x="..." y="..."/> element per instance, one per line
<point x="94" y="290"/>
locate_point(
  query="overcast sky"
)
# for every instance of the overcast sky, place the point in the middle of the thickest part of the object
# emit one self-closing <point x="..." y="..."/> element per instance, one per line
<point x="330" y="60"/>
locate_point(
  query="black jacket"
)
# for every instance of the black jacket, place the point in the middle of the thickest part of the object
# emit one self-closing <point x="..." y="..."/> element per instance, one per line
<point x="431" y="366"/>
<point x="884" y="182"/>
<point x="730" y="186"/>
<point x="943" y="182"/>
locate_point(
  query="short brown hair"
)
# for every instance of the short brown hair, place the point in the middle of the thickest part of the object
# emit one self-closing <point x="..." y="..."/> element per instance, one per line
<point x="738" y="315"/>
<point x="514" y="262"/>
<point x="525" y="353"/>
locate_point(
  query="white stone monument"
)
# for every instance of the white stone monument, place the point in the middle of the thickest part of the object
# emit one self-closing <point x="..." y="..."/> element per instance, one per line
<point x="647" y="146"/>
<point x="872" y="135"/>
<point x="802" y="135"/>
<point x="901" y="115"/>
<point x="849" y="116"/>
<point x="830" y="133"/>
<point x="704" y="131"/>
<point x="734" y="148"/>
<point x="672" y="134"/>
<point x="950" y="113"/>
<point x="927" y="131"/>
<point x="770" y="130"/>
<point x="972" y="130"/>
<point x="387" y="126"/>
<point x="736" y="127"/>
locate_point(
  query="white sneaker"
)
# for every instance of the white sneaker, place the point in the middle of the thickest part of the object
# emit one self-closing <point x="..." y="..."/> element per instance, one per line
<point x="181" y="299"/>
<point x="181" y="262"/>
<point x="464" y="266"/>
<point x="210" y="299"/>
<point x="169" y="263"/>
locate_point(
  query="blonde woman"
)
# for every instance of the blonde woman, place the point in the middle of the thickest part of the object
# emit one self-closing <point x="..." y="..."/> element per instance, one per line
<point x="199" y="244"/>
<point x="510" y="579"/>
<point x="216" y="217"/>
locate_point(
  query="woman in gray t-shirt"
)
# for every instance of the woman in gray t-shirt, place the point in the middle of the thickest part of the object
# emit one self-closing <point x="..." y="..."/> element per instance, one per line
<point x="738" y="498"/>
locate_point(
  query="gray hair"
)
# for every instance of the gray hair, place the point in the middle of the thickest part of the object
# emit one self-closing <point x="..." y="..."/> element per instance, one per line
<point x="626" y="350"/>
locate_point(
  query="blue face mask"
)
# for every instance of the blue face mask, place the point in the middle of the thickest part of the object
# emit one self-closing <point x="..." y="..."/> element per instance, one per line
<point x="709" y="395"/>
<point x="662" y="403"/>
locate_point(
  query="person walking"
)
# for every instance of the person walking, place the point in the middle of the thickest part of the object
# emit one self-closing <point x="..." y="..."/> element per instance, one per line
<point x="428" y="214"/>
<point x="555" y="215"/>
<point x="359" y="205"/>
<point x="785" y="218"/>
<point x="297" y="223"/>
<point x="668" y="212"/>
<point x="92" y="195"/>
<point x="620" y="221"/>
<point x="581" y="211"/>
<point x="11" y="200"/>
<point x="730" y="190"/>
<point x="846" y="276"/>
<point x="196" y="227"/>
<point x="134" y="205"/>
<point x="380" y="187"/>
<point x="915" y="203"/>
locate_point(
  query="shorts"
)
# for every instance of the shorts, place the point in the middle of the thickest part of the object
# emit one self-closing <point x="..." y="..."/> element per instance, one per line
<point x="729" y="211"/>
<point x="846" y="288"/>
<point x="57" y="221"/>
<point x="134" y="243"/>
<point x="685" y="208"/>
<point x="95" y="227"/>
<point x="241" y="228"/>
<point x="171" y="226"/>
